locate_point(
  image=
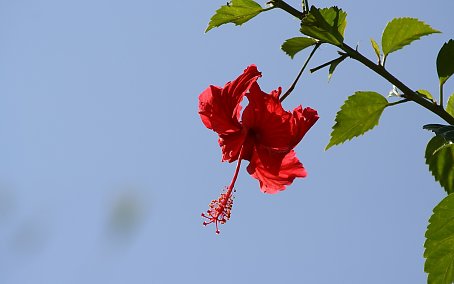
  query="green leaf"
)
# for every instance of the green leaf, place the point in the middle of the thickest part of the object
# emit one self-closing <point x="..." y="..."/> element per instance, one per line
<point x="440" y="158"/>
<point x="439" y="245"/>
<point x="236" y="11"/>
<point x="376" y="49"/>
<point x="360" y="113"/>
<point x="445" y="131"/>
<point x="445" y="61"/>
<point x="450" y="105"/>
<point x="426" y="94"/>
<point x="327" y="24"/>
<point x="401" y="32"/>
<point x="294" y="45"/>
<point x="333" y="66"/>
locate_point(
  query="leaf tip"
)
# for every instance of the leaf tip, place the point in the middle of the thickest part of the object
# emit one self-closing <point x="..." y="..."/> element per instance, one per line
<point x="329" y="146"/>
<point x="207" y="29"/>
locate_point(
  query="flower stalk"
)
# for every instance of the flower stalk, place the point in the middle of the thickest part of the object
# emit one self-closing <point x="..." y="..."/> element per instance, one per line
<point x="289" y="91"/>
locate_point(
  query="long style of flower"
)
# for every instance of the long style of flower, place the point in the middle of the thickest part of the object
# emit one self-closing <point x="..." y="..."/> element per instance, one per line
<point x="263" y="134"/>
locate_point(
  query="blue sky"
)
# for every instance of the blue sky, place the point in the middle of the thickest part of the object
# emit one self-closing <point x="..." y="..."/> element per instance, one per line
<point x="105" y="165"/>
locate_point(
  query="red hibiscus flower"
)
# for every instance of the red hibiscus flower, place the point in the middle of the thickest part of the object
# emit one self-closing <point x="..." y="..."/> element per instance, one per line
<point x="265" y="136"/>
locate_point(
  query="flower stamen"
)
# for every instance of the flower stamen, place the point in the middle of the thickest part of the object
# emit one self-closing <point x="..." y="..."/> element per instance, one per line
<point x="220" y="209"/>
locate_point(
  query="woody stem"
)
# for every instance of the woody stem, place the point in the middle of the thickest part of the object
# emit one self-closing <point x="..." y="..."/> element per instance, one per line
<point x="380" y="70"/>
<point x="407" y="92"/>
<point x="286" y="7"/>
<point x="289" y="9"/>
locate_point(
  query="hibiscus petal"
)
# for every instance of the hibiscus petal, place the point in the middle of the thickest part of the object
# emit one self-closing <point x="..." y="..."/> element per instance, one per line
<point x="231" y="145"/>
<point x="272" y="126"/>
<point x="273" y="180"/>
<point x="303" y="120"/>
<point x="219" y="108"/>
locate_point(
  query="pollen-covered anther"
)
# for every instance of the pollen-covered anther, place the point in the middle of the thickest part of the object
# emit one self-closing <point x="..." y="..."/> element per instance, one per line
<point x="219" y="210"/>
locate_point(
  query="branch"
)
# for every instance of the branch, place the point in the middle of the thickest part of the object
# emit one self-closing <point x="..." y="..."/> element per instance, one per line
<point x="407" y="92"/>
<point x="286" y="7"/>
<point x="380" y="70"/>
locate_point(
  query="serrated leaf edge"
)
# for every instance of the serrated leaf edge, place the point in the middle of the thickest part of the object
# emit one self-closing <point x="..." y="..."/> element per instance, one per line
<point x="430" y="233"/>
<point x="330" y="144"/>
<point x="417" y="36"/>
<point x="210" y="27"/>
